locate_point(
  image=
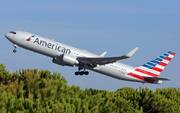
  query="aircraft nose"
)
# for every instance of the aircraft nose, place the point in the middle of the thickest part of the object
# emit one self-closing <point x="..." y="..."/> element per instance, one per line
<point x="9" y="35"/>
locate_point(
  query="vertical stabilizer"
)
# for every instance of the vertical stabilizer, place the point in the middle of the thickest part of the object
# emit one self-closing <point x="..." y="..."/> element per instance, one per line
<point x="154" y="67"/>
<point x="150" y="71"/>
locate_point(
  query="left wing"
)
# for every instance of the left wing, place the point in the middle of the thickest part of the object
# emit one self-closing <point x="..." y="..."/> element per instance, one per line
<point x="105" y="60"/>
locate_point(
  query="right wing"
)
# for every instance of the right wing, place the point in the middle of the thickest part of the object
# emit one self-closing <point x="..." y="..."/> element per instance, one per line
<point x="105" y="60"/>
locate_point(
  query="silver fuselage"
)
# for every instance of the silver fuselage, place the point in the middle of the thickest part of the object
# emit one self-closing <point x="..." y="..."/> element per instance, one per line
<point x="53" y="49"/>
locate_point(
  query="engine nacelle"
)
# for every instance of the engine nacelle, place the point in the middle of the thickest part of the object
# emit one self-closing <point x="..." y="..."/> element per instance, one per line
<point x="65" y="60"/>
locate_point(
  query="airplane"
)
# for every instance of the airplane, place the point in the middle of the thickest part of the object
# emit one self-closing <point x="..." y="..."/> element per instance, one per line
<point x="66" y="55"/>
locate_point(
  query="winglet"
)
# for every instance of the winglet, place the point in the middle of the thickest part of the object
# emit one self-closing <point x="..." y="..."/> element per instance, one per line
<point x="131" y="52"/>
<point x="103" y="54"/>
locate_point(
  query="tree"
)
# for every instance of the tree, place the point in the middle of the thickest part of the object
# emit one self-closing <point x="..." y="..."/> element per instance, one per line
<point x="31" y="90"/>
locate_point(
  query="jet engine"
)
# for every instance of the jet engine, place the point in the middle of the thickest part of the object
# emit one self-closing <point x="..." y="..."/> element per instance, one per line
<point x="65" y="59"/>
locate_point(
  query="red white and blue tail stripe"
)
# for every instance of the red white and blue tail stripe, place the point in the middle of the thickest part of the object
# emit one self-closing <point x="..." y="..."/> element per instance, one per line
<point x="150" y="71"/>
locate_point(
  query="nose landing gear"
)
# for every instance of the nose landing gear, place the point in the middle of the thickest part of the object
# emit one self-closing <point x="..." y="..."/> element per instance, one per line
<point x="14" y="51"/>
<point x="15" y="46"/>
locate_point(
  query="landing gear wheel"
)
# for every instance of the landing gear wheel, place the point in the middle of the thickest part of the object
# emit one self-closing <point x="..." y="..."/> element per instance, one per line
<point x="86" y="73"/>
<point x="76" y="73"/>
<point x="15" y="46"/>
<point x="14" y="51"/>
<point x="81" y="73"/>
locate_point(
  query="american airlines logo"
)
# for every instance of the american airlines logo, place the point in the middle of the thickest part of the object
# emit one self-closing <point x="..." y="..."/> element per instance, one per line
<point x="29" y="39"/>
<point x="51" y="45"/>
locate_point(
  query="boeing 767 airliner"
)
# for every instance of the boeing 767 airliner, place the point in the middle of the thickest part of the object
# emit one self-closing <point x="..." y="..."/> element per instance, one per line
<point x="65" y="55"/>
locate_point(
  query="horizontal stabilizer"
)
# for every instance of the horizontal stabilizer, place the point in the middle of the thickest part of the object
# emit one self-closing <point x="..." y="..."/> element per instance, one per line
<point x="157" y="78"/>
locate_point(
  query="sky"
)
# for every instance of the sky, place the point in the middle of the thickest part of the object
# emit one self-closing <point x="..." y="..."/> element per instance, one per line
<point x="96" y="26"/>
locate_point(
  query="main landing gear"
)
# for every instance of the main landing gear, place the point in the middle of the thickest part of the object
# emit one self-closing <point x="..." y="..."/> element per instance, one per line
<point x="81" y="72"/>
<point x="15" y="46"/>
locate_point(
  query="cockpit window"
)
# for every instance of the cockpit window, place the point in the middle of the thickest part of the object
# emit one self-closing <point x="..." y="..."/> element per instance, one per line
<point x="13" y="32"/>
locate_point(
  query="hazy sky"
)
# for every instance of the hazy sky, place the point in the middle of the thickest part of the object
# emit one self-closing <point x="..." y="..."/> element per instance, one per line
<point x="96" y="26"/>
